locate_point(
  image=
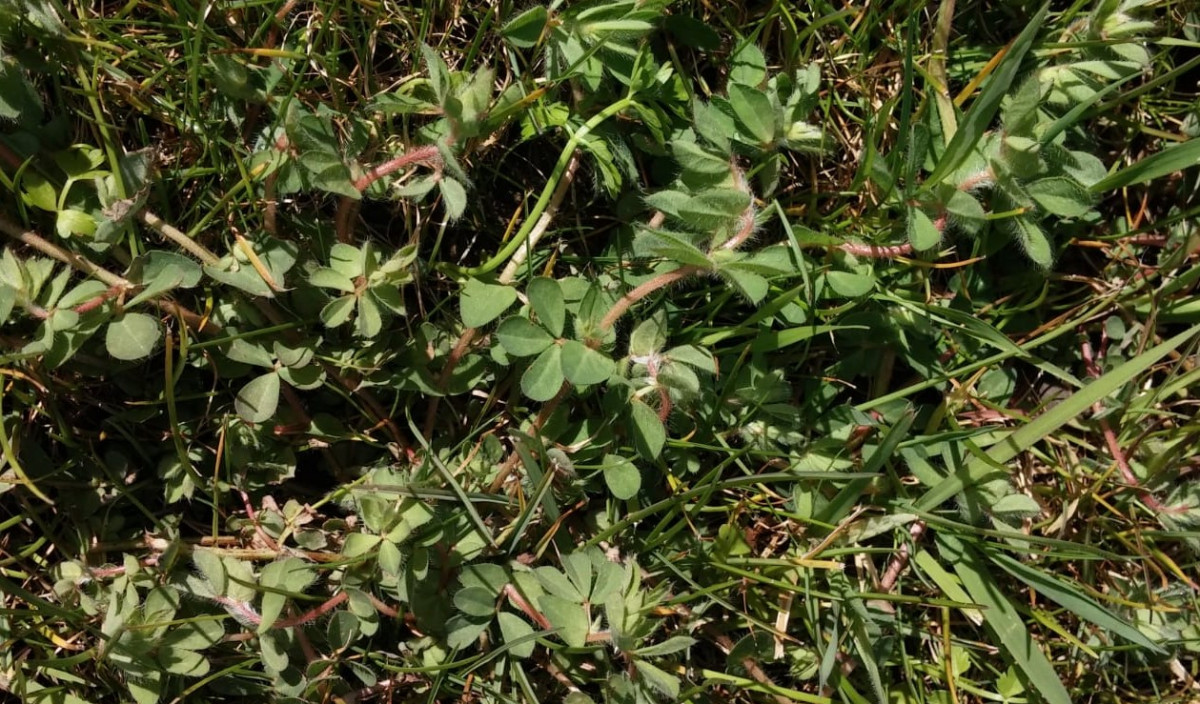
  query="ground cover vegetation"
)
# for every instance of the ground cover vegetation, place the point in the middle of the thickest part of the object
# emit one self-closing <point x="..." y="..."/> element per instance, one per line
<point x="635" y="351"/>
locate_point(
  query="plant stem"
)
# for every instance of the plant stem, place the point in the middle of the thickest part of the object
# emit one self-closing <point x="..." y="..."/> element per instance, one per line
<point x="347" y="207"/>
<point x="662" y="280"/>
<point x="543" y="202"/>
<point x="506" y="277"/>
<point x="543" y="222"/>
<point x="193" y="321"/>
<point x="177" y="236"/>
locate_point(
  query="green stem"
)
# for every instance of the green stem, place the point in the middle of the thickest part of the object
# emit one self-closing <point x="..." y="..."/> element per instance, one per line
<point x="559" y="169"/>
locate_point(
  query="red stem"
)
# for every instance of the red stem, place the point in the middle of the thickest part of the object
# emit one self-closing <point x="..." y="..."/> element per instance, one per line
<point x="649" y="287"/>
<point x="1114" y="444"/>
<point x="313" y="614"/>
<point x="428" y="152"/>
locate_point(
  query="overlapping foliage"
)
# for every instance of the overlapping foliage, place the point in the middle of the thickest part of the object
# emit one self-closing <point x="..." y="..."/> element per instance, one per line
<point x="624" y="352"/>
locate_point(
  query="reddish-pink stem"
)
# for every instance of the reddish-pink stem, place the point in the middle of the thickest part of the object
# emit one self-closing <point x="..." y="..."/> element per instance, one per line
<point x="313" y="614"/>
<point x="427" y="153"/>
<point x="518" y="600"/>
<point x="1114" y="444"/>
<point x="662" y="280"/>
<point x="876" y="251"/>
<point x="900" y="561"/>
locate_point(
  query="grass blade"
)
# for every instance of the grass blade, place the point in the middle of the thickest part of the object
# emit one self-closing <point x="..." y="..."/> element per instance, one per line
<point x="1165" y="162"/>
<point x="1002" y="619"/>
<point x="977" y="120"/>
<point x="1073" y="600"/>
<point x="1050" y="421"/>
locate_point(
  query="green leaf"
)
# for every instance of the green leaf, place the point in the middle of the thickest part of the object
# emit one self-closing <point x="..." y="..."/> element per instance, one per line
<point x="559" y="584"/>
<point x="542" y="380"/>
<point x="546" y="297"/>
<point x="343" y="629"/>
<point x="1060" y="196"/>
<point x="1073" y="598"/>
<point x="669" y="245"/>
<point x="693" y="32"/>
<point x="578" y="568"/>
<point x="347" y="260"/>
<point x="188" y="663"/>
<point x="751" y="285"/>
<point x="74" y="222"/>
<point x="965" y="211"/>
<point x="693" y="157"/>
<point x="292" y="356"/>
<point x="1004" y="621"/>
<point x="583" y="365"/>
<point x="648" y="337"/>
<point x="329" y="173"/>
<point x="981" y="467"/>
<point x="160" y="264"/>
<point x="274" y="649"/>
<point x="521" y="338"/>
<point x="212" y="569"/>
<point x="622" y="477"/>
<point x="19" y="101"/>
<point x="922" y="233"/>
<point x="714" y="126"/>
<point x="369" y="321"/>
<point x="1034" y="241"/>
<point x="1019" y="110"/>
<point x="755" y="113"/>
<point x="388" y="296"/>
<point x="39" y="192"/>
<point x="485" y="575"/>
<point x="714" y="207"/>
<point x="524" y="30"/>
<point x="481" y="303"/>
<point x="513" y="628"/>
<point x="85" y="291"/>
<point x="197" y="635"/>
<point x="357" y="544"/>
<point x="256" y="401"/>
<point x="133" y="336"/>
<point x="670" y="646"/>
<point x="979" y="118"/>
<point x="337" y="311"/>
<point x="694" y="356"/>
<point x="668" y="201"/>
<point x="290" y="574"/>
<point x="463" y="632"/>
<point x="649" y="436"/>
<point x="439" y="73"/>
<point x="749" y="66"/>
<point x="567" y="617"/>
<point x="454" y="196"/>
<point x="475" y="602"/>
<point x="666" y="684"/>
<point x="329" y="278"/>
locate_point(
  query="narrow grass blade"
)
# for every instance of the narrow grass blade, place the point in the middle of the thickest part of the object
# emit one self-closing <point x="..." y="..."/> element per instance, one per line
<point x="447" y="476"/>
<point x="1072" y="599"/>
<point x="1050" y="421"/>
<point x="1002" y="619"/>
<point x="849" y="495"/>
<point x="1165" y="162"/>
<point x="977" y="120"/>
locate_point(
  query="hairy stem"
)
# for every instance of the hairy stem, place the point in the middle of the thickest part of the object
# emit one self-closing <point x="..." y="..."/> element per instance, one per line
<point x="348" y="207"/>
<point x="661" y="281"/>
